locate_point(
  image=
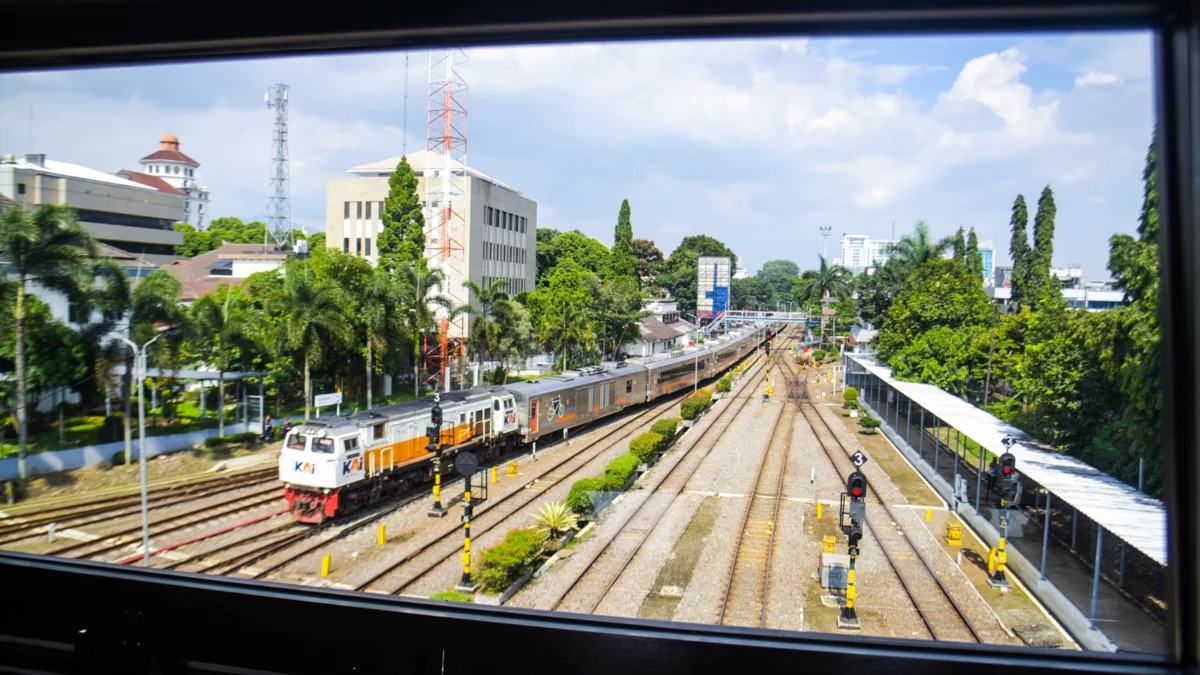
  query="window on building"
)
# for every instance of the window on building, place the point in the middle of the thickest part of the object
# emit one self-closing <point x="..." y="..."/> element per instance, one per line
<point x="359" y="216"/>
<point x="346" y="245"/>
<point x="367" y="248"/>
<point x="77" y="312"/>
<point x="369" y="210"/>
<point x="346" y="211"/>
<point x="20" y="188"/>
<point x="128" y="220"/>
<point x="176" y="171"/>
<point x="358" y="247"/>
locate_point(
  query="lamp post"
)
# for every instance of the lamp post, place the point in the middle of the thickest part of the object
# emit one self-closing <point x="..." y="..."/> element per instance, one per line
<point x="139" y="358"/>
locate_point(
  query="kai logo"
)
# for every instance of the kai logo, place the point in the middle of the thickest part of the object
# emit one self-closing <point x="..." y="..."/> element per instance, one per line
<point x="304" y="467"/>
<point x="511" y="418"/>
<point x="351" y="465"/>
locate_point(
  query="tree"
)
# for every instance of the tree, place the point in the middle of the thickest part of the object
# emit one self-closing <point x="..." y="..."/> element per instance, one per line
<point x="918" y="248"/>
<point x="313" y="319"/>
<point x="517" y="338"/>
<point x="960" y="246"/>
<point x="154" y="302"/>
<point x="547" y="256"/>
<point x="752" y="291"/>
<point x="877" y="292"/>
<point x="781" y="274"/>
<point x="220" y="231"/>
<point x="974" y="257"/>
<point x="49" y="247"/>
<point x="622" y="262"/>
<point x="487" y="305"/>
<point x="941" y="293"/>
<point x="834" y="281"/>
<point x="1019" y="250"/>
<point x="565" y="320"/>
<point x="420" y="301"/>
<point x="402" y="241"/>
<point x="939" y="357"/>
<point x="379" y="319"/>
<point x="648" y="261"/>
<point x="219" y="322"/>
<point x="316" y="242"/>
<point x="1041" y="286"/>
<point x="589" y="253"/>
<point x="619" y="306"/>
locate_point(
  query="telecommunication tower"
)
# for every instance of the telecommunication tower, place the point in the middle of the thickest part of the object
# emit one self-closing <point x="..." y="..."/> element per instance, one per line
<point x="279" y="208"/>
<point x="446" y="188"/>
<point x="825" y="230"/>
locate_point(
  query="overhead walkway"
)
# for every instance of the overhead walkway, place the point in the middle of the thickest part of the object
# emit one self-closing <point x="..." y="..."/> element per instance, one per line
<point x="1076" y="525"/>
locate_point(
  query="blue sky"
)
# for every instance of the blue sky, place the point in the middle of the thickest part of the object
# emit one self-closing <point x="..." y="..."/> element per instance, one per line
<point x="755" y="142"/>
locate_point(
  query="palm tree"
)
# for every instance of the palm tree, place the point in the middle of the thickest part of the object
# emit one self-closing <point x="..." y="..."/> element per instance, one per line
<point x="493" y="305"/>
<point x="153" y="302"/>
<point x="219" y="322"/>
<point x="919" y="247"/>
<point x="421" y="299"/>
<point x="827" y="280"/>
<point x="313" y="319"/>
<point x="380" y="319"/>
<point x="567" y="326"/>
<point x="50" y="247"/>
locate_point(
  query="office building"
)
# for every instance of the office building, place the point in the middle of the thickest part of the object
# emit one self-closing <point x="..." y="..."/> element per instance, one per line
<point x="987" y="252"/>
<point x="123" y="213"/>
<point x="860" y="252"/>
<point x="499" y="238"/>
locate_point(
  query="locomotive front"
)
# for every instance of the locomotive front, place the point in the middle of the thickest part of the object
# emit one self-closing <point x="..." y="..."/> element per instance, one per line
<point x="317" y="460"/>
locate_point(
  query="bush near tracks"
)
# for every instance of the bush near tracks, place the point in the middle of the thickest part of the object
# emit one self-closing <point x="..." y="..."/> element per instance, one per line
<point x="580" y="496"/>
<point x="724" y="384"/>
<point x="234" y="439"/>
<point x="691" y="408"/>
<point x="704" y="396"/>
<point x="619" y="470"/>
<point x="645" y="446"/>
<point x="850" y="395"/>
<point x="869" y="424"/>
<point x="509" y="560"/>
<point x="666" y="428"/>
<point x="819" y="355"/>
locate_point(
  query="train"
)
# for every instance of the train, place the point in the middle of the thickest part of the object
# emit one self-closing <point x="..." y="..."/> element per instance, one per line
<point x="335" y="466"/>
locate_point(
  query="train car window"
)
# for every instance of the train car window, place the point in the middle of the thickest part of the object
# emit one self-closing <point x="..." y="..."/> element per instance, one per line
<point x="297" y="442"/>
<point x="378" y="431"/>
<point x="628" y="386"/>
<point x="350" y="444"/>
<point x="496" y="405"/>
<point x="323" y="445"/>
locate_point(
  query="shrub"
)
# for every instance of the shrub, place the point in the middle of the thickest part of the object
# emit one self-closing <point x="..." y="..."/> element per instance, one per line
<point x="704" y="396"/>
<point x="509" y="560"/>
<point x="556" y="518"/>
<point x="215" y="441"/>
<point x="724" y="384"/>
<point x="690" y="409"/>
<point x="870" y="424"/>
<point x="643" y="447"/>
<point x="850" y="405"/>
<point x="247" y="437"/>
<point x="819" y="355"/>
<point x="666" y="427"/>
<point x="580" y="496"/>
<point x="619" y="470"/>
<point x="452" y="596"/>
<point x="850" y="395"/>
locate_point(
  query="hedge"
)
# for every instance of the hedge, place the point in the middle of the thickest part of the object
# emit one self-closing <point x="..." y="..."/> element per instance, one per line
<point x="580" y="496"/>
<point x="643" y="447"/>
<point x="216" y="441"/>
<point x="691" y="408"/>
<point x="619" y="470"/>
<point x="724" y="384"/>
<point x="705" y="396"/>
<point x="509" y="560"/>
<point x="666" y="427"/>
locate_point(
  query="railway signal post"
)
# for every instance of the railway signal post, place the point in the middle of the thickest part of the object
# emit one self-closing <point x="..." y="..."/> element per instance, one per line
<point x="466" y="464"/>
<point x="435" y="446"/>
<point x="851" y="520"/>
<point x="997" y="556"/>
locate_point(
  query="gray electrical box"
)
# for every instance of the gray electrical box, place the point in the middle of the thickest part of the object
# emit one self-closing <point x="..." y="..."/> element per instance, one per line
<point x="835" y="570"/>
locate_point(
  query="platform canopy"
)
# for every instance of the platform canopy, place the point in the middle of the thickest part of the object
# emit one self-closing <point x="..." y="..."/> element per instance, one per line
<point x="230" y="375"/>
<point x="1136" y="518"/>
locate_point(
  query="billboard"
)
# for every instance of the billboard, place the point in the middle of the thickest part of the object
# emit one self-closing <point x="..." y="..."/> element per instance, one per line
<point x="712" y="286"/>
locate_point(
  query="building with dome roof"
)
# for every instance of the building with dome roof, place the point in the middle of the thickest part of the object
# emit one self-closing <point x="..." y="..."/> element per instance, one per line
<point x="178" y="170"/>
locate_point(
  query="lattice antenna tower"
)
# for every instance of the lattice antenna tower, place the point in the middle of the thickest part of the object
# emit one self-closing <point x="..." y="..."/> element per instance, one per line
<point x="279" y="207"/>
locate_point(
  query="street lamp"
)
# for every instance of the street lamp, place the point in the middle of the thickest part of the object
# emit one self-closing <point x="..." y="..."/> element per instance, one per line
<point x="139" y="363"/>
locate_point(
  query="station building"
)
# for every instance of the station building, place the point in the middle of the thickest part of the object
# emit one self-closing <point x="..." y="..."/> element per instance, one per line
<point x="500" y="233"/>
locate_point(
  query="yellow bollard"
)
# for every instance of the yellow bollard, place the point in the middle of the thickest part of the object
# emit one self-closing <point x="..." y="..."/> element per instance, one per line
<point x="495" y="474"/>
<point x="820" y="509"/>
<point x="325" y="564"/>
<point x="382" y="538"/>
<point x="829" y="543"/>
<point x="929" y="514"/>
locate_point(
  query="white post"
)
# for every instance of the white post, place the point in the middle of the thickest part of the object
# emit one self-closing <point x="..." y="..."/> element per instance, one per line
<point x="142" y="455"/>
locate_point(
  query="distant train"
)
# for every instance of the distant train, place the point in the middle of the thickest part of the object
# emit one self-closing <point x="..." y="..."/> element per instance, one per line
<point x="337" y="466"/>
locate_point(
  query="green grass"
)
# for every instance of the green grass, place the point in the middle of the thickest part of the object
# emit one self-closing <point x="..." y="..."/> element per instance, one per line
<point x="452" y="596"/>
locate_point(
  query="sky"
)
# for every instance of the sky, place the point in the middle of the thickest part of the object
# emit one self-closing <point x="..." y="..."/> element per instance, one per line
<point x="755" y="142"/>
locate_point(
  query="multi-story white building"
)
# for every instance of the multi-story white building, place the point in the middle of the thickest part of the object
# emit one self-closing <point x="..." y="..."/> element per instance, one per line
<point x="860" y="252"/>
<point x="126" y="214"/>
<point x="499" y="240"/>
<point x="987" y="252"/>
<point x="178" y="171"/>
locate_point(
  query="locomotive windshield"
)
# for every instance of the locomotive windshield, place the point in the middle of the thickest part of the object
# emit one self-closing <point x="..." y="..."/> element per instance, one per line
<point x="323" y="445"/>
<point x="296" y="442"/>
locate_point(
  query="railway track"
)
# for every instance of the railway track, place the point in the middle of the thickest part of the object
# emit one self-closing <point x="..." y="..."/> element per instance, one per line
<point x="110" y="508"/>
<point x="635" y="530"/>
<point x="745" y="602"/>
<point x="940" y="613"/>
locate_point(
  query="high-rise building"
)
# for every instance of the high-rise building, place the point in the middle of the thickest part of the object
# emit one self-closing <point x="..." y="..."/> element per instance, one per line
<point x="501" y="223"/>
<point x="988" y="253"/>
<point x="860" y="252"/>
<point x="126" y="214"/>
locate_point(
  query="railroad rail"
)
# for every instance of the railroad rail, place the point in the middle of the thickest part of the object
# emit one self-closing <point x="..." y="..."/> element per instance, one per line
<point x="927" y="592"/>
<point x="645" y="532"/>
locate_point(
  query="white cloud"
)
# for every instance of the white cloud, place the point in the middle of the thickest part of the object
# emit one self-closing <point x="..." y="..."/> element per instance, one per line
<point x="1096" y="78"/>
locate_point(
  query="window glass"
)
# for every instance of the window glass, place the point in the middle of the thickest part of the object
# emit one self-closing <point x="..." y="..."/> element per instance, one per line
<point x="378" y="431"/>
<point x="323" y="444"/>
<point x="297" y="441"/>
